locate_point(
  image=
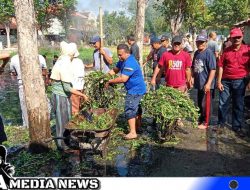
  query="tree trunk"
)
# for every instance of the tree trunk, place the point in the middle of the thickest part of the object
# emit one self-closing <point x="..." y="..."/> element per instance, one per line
<point x="177" y="20"/>
<point x="34" y="89"/>
<point x="139" y="30"/>
<point x="176" y="24"/>
<point x="7" y="28"/>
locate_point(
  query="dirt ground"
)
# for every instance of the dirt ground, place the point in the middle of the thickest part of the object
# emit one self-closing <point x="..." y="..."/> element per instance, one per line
<point x="198" y="153"/>
<point x="204" y="152"/>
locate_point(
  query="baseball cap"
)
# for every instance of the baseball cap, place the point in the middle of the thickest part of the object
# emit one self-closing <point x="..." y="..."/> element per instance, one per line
<point x="155" y="40"/>
<point x="177" y="39"/>
<point x="201" y="38"/>
<point x="235" y="32"/>
<point x="164" y="37"/>
<point x="95" y="39"/>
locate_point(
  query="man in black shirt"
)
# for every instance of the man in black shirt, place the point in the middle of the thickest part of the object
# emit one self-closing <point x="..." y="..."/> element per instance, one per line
<point x="157" y="52"/>
<point x="134" y="49"/>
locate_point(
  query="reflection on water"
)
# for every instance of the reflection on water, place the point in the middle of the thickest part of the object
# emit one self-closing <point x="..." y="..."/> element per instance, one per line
<point x="9" y="99"/>
<point x="121" y="161"/>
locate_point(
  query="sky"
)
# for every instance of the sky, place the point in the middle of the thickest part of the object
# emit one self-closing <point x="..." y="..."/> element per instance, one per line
<point x="109" y="5"/>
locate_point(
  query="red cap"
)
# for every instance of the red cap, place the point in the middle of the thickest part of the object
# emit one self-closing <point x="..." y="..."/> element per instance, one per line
<point x="235" y="32"/>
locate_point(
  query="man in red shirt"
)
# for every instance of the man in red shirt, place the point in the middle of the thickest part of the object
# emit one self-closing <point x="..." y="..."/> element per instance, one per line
<point x="177" y="65"/>
<point x="232" y="80"/>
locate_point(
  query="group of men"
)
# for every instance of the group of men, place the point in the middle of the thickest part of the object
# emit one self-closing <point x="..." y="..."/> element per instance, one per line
<point x="231" y="80"/>
<point x="182" y="72"/>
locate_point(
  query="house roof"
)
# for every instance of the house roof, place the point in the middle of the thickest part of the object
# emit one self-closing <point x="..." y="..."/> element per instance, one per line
<point x="243" y="23"/>
<point x="77" y="14"/>
<point x="12" y="24"/>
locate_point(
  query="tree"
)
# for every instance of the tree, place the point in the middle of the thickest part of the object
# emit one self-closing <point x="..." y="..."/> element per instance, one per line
<point x="6" y="15"/>
<point x="180" y="11"/>
<point x="34" y="89"/>
<point x="155" y="22"/>
<point x="139" y="29"/>
<point x="63" y="12"/>
<point x="116" y="27"/>
<point x="228" y="12"/>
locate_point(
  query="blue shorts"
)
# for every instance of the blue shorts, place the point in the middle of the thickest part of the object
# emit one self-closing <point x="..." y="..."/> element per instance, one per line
<point x="132" y="106"/>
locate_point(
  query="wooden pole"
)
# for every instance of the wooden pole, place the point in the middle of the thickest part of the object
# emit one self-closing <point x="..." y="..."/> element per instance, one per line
<point x="101" y="36"/>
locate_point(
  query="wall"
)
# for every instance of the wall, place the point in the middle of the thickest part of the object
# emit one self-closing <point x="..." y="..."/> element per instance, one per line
<point x="3" y="39"/>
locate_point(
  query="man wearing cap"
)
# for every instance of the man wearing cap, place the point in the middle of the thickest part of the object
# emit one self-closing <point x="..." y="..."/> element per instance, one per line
<point x="165" y="42"/>
<point x="131" y="76"/>
<point x="177" y="65"/>
<point x="134" y="49"/>
<point x="232" y="80"/>
<point x="203" y="71"/>
<point x="106" y="57"/>
<point x="157" y="53"/>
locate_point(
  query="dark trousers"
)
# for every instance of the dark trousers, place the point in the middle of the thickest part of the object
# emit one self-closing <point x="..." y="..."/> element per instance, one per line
<point x="62" y="111"/>
<point x="235" y="90"/>
<point x="202" y="105"/>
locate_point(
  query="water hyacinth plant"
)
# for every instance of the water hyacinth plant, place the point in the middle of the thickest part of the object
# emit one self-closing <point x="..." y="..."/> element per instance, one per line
<point x="166" y="105"/>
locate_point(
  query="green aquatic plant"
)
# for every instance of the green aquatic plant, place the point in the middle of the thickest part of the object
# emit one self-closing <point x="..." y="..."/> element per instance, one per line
<point x="166" y="105"/>
<point x="100" y="96"/>
<point x="98" y="122"/>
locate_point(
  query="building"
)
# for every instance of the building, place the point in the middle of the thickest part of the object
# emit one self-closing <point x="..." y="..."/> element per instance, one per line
<point x="13" y="33"/>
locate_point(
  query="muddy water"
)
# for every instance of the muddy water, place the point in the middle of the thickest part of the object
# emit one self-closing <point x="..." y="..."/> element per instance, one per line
<point x="199" y="153"/>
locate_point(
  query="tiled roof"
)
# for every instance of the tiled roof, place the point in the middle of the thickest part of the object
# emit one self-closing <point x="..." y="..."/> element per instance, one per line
<point x="12" y="25"/>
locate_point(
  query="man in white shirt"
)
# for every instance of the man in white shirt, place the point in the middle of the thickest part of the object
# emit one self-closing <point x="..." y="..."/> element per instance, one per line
<point x="16" y="71"/>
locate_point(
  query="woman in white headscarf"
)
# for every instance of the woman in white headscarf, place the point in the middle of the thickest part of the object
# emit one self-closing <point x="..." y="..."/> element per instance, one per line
<point x="78" y="79"/>
<point x="62" y="78"/>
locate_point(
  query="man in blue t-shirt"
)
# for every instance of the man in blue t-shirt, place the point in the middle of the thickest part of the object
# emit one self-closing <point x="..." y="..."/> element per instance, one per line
<point x="131" y="76"/>
<point x="203" y="71"/>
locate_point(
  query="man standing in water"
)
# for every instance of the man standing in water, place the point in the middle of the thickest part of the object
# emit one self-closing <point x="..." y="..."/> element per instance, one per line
<point x="131" y="76"/>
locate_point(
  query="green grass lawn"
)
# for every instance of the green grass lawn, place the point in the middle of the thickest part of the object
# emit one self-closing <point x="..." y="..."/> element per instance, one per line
<point x="86" y="54"/>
